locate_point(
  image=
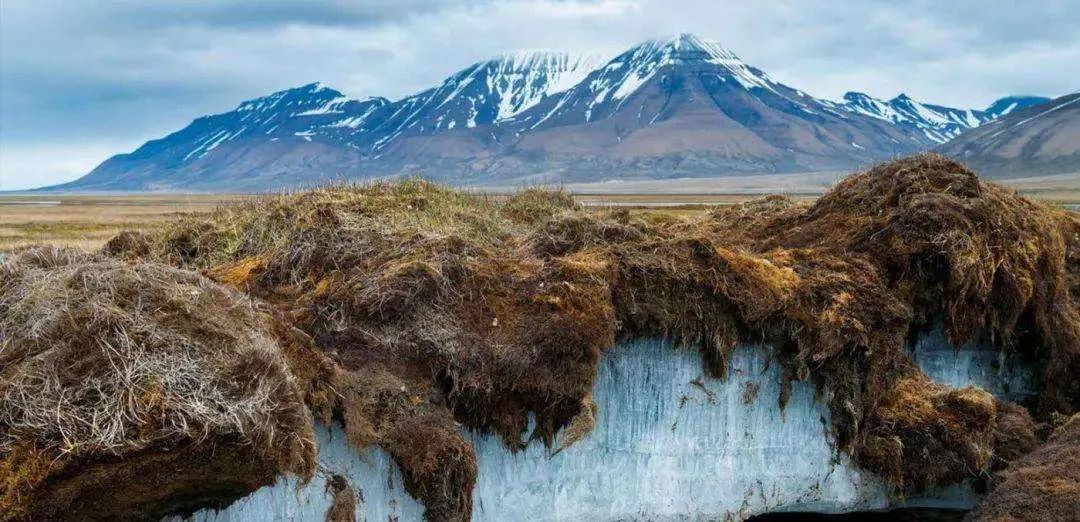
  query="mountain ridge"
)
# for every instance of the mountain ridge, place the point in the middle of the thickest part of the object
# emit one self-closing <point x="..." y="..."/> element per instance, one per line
<point x="675" y="107"/>
<point x="1039" y="140"/>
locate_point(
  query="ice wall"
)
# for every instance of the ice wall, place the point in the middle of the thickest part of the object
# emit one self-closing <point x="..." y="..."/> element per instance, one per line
<point x="670" y="443"/>
<point x="372" y="473"/>
<point x="975" y="363"/>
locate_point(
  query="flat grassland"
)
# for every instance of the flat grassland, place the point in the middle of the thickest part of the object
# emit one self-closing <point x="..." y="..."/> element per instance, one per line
<point x="88" y="221"/>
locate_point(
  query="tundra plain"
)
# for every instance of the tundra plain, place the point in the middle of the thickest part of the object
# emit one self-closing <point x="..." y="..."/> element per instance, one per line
<point x="87" y="221"/>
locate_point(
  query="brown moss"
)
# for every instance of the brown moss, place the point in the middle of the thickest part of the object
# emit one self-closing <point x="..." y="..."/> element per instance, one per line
<point x="150" y="483"/>
<point x="977" y="255"/>
<point x="22" y="468"/>
<point x="924" y="434"/>
<point x="439" y="307"/>
<point x="343" y="504"/>
<point x="1043" y="485"/>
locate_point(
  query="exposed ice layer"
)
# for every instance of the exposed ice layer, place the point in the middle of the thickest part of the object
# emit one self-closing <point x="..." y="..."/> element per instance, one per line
<point x="670" y="443"/>
<point x="372" y="473"/>
<point x="975" y="364"/>
<point x="673" y="443"/>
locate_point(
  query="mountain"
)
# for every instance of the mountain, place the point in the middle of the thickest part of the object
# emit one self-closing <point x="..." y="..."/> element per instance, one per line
<point x="1040" y="140"/>
<point x="675" y="107"/>
<point x="312" y="133"/>
<point x="939" y="124"/>
<point x="480" y="95"/>
<point x="686" y="107"/>
<point x="1010" y="104"/>
<point x="273" y="139"/>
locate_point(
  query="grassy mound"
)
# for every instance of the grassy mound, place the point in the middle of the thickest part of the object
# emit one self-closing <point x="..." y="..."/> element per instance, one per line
<point x="439" y="307"/>
<point x="127" y="388"/>
<point x="1044" y="485"/>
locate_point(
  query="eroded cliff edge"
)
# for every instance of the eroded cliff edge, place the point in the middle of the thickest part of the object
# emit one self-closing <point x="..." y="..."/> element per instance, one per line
<point x="416" y="315"/>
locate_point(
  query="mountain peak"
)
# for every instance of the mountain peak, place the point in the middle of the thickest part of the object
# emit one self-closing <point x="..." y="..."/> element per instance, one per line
<point x="685" y="47"/>
<point x="527" y="60"/>
<point x="306" y="95"/>
<point x="688" y="41"/>
<point x="645" y="59"/>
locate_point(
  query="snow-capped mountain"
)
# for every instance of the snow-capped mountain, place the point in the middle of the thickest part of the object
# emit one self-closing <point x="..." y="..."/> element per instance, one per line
<point x="607" y="89"/>
<point x="483" y="94"/>
<point x="939" y="124"/>
<point x="683" y="106"/>
<point x="301" y="112"/>
<point x="1039" y="140"/>
<point x="672" y="107"/>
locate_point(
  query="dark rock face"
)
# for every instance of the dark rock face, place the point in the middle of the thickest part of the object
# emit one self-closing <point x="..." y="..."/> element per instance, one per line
<point x="678" y="107"/>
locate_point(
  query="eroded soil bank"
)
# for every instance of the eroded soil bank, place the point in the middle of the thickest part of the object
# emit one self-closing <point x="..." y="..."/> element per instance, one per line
<point x="415" y="315"/>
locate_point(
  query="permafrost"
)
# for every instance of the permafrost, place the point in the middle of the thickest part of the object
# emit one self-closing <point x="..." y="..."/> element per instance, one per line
<point x="670" y="443"/>
<point x="371" y="473"/>
<point x="1005" y="376"/>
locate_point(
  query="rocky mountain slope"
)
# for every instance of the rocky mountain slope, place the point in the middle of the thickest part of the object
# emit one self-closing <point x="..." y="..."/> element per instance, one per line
<point x="1043" y="140"/>
<point x="676" y="107"/>
<point x="937" y="123"/>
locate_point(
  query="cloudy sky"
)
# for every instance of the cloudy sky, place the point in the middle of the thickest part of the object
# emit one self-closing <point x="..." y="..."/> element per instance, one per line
<point x="80" y="81"/>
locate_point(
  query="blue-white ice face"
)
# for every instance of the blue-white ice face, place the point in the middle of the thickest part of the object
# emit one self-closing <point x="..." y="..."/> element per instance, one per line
<point x="670" y="442"/>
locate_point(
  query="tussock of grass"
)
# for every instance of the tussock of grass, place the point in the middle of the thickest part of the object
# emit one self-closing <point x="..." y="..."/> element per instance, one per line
<point x="433" y="307"/>
<point x="101" y="359"/>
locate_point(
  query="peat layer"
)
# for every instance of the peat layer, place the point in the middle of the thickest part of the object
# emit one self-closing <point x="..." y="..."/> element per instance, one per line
<point x="406" y="309"/>
<point x="1044" y="485"/>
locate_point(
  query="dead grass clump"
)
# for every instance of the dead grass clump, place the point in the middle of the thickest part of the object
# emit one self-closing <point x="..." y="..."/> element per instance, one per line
<point x="976" y="255"/>
<point x="572" y="232"/>
<point x="129" y="244"/>
<point x="440" y="307"/>
<point x="1014" y="434"/>
<point x="102" y="362"/>
<point x="535" y="205"/>
<point x="925" y="434"/>
<point x="1043" y="485"/>
<point x="343" y="505"/>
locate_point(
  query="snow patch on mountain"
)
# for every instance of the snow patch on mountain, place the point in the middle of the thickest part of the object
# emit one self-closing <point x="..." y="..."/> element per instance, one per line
<point x="625" y="74"/>
<point x="522" y="80"/>
<point x="1010" y="104"/>
<point x="939" y="124"/>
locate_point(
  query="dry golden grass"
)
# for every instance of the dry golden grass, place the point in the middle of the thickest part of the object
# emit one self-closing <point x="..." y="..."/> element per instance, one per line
<point x="86" y="222"/>
<point x="102" y="359"/>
